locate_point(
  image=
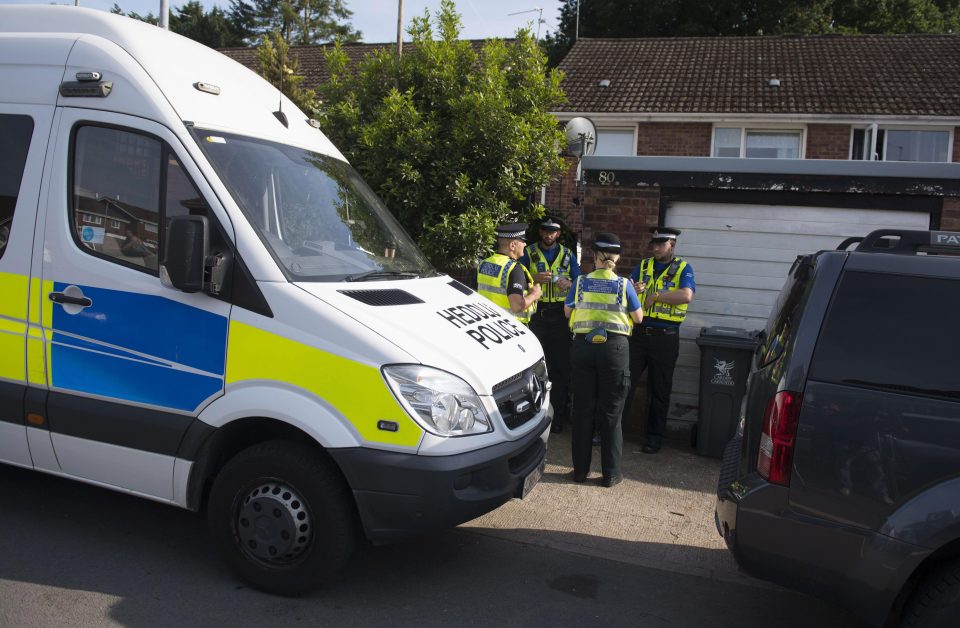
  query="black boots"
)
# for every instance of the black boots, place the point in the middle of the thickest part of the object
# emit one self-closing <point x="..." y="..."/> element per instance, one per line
<point x="652" y="445"/>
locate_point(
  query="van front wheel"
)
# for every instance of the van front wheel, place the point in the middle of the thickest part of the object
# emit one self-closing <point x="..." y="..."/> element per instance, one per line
<point x="282" y="517"/>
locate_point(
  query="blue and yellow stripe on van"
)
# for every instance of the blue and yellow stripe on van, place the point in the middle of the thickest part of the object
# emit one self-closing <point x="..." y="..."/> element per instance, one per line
<point x="138" y="348"/>
<point x="356" y="390"/>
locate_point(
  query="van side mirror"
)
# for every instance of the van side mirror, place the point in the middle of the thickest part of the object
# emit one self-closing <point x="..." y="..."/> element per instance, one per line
<point x="185" y="253"/>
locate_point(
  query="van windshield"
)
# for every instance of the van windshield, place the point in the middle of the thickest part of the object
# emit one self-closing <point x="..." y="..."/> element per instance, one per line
<point x="319" y="219"/>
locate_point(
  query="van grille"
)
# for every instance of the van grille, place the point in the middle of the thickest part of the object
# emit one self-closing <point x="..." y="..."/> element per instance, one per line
<point x="382" y="297"/>
<point x="520" y="398"/>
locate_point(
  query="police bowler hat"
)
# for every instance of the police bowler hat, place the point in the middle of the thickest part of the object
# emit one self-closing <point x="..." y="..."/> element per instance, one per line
<point x="606" y="243"/>
<point x="513" y="231"/>
<point x="662" y="234"/>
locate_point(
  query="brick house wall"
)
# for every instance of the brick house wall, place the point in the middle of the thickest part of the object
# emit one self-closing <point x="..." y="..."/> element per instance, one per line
<point x="627" y="212"/>
<point x="950" y="217"/>
<point x="674" y="139"/>
<point x="828" y="141"/>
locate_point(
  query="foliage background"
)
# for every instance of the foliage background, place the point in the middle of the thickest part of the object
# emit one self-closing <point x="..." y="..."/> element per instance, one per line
<point x="453" y="137"/>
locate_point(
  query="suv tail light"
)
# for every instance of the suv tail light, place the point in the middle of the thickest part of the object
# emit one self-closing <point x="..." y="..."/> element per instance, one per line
<point x="779" y="436"/>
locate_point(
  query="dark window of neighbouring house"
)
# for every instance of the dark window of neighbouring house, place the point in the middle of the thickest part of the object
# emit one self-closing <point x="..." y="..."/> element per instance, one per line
<point x="15" y="134"/>
<point x="892" y="332"/>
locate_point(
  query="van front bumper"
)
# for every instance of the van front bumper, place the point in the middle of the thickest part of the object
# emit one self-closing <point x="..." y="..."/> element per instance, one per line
<point x="401" y="495"/>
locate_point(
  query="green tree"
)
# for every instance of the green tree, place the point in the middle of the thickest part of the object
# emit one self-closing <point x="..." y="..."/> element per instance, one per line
<point x="282" y="70"/>
<point x="212" y="29"/>
<point x="300" y="21"/>
<point x="215" y="29"/>
<point x="453" y="139"/>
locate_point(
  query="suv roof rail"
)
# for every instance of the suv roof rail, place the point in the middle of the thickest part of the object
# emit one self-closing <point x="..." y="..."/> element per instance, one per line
<point x="843" y="246"/>
<point x="904" y="242"/>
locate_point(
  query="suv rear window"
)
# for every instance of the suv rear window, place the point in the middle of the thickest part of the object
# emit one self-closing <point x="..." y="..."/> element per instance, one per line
<point x="788" y="307"/>
<point x="892" y="332"/>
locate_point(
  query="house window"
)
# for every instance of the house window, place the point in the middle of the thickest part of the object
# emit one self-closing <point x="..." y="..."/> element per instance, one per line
<point x="91" y="219"/>
<point x="616" y="142"/>
<point x="902" y="144"/>
<point x="115" y="225"/>
<point x="756" y="143"/>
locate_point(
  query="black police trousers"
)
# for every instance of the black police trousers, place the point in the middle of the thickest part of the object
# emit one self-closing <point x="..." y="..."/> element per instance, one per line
<point x="657" y="354"/>
<point x="550" y="327"/>
<point x="601" y="376"/>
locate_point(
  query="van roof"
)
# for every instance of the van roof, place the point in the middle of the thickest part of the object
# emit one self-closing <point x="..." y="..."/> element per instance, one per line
<point x="175" y="64"/>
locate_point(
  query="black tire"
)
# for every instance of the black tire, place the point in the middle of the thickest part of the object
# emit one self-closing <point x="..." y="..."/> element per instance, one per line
<point x="282" y="517"/>
<point x="935" y="603"/>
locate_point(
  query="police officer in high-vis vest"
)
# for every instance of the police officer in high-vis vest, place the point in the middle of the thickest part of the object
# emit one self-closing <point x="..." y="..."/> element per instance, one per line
<point x="665" y="284"/>
<point x="602" y="308"/>
<point x="505" y="281"/>
<point x="554" y="267"/>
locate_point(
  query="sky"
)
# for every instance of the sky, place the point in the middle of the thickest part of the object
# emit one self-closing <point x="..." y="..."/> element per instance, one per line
<point x="377" y="19"/>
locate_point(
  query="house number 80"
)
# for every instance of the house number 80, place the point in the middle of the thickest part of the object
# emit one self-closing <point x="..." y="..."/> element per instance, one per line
<point x="606" y="177"/>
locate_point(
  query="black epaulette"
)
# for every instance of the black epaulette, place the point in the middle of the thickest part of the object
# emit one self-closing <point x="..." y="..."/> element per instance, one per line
<point x="674" y="267"/>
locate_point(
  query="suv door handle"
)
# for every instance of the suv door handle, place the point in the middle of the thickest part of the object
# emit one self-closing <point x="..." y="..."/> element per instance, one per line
<point x="66" y="299"/>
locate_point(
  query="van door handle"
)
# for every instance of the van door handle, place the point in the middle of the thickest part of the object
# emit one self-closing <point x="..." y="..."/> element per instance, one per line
<point x="66" y="299"/>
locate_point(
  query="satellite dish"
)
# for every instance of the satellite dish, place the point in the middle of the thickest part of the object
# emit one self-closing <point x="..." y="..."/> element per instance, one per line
<point x="581" y="137"/>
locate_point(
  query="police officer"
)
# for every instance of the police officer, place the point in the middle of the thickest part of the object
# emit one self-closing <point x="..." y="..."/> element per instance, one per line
<point x="505" y="281"/>
<point x="602" y="309"/>
<point x="554" y="267"/>
<point x="666" y="285"/>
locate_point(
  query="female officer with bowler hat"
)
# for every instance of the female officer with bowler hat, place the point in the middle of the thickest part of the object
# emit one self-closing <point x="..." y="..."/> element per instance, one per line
<point x="602" y="309"/>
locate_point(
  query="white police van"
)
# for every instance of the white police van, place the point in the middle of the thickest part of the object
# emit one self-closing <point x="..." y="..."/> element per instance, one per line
<point x="204" y="305"/>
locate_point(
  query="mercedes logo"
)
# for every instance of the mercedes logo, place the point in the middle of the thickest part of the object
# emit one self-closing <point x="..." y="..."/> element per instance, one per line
<point x="535" y="389"/>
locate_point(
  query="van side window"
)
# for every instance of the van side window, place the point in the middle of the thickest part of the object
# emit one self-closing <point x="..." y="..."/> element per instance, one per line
<point x="116" y="181"/>
<point x="15" y="134"/>
<point x="892" y="332"/>
<point x="126" y="187"/>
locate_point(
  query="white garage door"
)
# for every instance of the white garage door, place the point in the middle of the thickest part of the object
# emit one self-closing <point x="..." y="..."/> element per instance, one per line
<point x="741" y="255"/>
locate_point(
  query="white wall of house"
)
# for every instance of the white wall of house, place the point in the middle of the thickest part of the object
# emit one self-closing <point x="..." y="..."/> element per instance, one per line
<point x="741" y="255"/>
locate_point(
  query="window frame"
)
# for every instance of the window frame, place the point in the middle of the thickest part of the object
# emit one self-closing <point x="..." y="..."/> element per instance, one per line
<point x="745" y="130"/>
<point x="623" y="129"/>
<point x="166" y="151"/>
<point x="884" y="128"/>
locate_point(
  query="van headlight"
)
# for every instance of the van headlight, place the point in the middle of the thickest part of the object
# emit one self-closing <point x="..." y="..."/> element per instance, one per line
<point x="442" y="403"/>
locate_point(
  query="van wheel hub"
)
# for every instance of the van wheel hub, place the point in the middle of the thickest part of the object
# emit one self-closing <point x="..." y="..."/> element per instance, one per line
<point x="273" y="524"/>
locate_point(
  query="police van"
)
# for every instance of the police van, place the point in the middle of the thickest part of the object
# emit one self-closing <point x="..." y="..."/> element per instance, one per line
<point x="204" y="305"/>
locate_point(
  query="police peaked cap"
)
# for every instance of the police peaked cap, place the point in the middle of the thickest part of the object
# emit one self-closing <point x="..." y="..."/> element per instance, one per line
<point x="513" y="231"/>
<point x="550" y="224"/>
<point x="606" y="243"/>
<point x="662" y="234"/>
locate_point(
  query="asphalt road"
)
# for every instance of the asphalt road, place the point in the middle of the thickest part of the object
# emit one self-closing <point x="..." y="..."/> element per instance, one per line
<point x="76" y="555"/>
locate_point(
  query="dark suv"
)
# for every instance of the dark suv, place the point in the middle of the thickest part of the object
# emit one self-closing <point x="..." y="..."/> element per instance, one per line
<point x="844" y="477"/>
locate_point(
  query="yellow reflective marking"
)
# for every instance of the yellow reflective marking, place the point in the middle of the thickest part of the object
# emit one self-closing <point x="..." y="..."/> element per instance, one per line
<point x="12" y="364"/>
<point x="41" y="307"/>
<point x="36" y="359"/>
<point x="356" y="390"/>
<point x="14" y="291"/>
<point x="13" y="306"/>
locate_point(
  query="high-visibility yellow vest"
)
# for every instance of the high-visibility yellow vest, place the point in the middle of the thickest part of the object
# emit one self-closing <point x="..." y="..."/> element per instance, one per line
<point x="667" y="281"/>
<point x="552" y="293"/>
<point x="601" y="301"/>
<point x="492" y="276"/>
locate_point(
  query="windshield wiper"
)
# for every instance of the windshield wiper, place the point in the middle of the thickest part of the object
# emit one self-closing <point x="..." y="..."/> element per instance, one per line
<point x="375" y="275"/>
